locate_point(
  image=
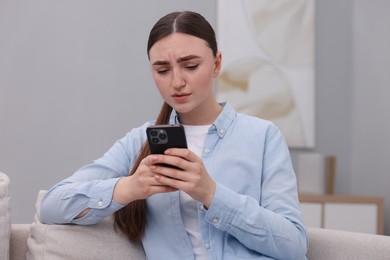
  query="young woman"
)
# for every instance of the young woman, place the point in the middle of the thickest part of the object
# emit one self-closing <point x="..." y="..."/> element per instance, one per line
<point x="234" y="195"/>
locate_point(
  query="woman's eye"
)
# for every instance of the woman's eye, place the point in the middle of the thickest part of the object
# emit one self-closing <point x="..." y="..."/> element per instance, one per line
<point x="162" y="71"/>
<point x="192" y="67"/>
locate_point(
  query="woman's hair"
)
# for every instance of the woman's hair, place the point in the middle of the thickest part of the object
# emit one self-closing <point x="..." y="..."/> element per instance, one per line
<point x="183" y="22"/>
<point x="131" y="219"/>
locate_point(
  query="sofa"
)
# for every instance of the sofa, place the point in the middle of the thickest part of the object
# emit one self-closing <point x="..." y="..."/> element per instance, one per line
<point x="101" y="241"/>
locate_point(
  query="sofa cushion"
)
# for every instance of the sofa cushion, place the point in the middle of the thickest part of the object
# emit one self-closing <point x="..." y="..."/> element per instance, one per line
<point x="5" y="218"/>
<point x="18" y="241"/>
<point x="99" y="241"/>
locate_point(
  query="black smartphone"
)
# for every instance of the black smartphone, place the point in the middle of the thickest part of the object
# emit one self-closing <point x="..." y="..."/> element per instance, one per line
<point x="162" y="137"/>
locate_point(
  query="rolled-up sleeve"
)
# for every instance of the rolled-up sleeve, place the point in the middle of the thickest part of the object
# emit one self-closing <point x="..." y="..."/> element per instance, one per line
<point x="92" y="186"/>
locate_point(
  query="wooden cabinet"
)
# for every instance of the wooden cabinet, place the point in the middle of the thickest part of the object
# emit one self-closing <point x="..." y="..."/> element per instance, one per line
<point x="350" y="213"/>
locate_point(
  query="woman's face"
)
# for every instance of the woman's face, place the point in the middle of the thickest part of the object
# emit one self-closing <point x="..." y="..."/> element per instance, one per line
<point x="183" y="68"/>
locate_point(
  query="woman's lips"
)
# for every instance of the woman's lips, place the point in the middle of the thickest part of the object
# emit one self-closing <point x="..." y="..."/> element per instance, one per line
<point x="181" y="97"/>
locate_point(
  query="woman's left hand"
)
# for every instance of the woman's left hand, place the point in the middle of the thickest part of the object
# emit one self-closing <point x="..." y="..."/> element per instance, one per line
<point x="191" y="177"/>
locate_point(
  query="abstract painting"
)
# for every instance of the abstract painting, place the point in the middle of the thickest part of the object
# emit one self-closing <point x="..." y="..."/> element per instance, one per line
<point x="268" y="63"/>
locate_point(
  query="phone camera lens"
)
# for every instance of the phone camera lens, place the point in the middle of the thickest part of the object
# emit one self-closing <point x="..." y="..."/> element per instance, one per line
<point x="153" y="133"/>
<point x="155" y="140"/>
<point x="162" y="136"/>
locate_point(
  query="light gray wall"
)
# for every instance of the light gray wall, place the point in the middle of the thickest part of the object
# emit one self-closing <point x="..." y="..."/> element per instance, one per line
<point x="370" y="132"/>
<point x="353" y="75"/>
<point x="352" y="89"/>
<point x="74" y="78"/>
<point x="333" y="56"/>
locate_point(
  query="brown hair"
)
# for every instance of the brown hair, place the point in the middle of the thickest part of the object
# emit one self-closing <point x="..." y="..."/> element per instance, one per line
<point x="183" y="22"/>
<point x="131" y="219"/>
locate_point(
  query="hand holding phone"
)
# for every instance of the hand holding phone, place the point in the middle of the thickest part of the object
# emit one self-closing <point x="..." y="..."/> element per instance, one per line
<point x="162" y="137"/>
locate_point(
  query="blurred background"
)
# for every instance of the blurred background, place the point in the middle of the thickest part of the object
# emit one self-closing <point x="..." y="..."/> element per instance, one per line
<point x="74" y="78"/>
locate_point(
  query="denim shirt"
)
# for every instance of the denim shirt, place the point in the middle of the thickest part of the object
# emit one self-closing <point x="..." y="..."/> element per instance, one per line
<point x="255" y="212"/>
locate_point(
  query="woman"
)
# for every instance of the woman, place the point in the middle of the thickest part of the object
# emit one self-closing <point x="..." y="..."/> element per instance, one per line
<point x="234" y="195"/>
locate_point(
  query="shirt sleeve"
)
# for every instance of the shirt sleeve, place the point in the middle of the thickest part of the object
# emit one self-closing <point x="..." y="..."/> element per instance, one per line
<point x="92" y="186"/>
<point x="271" y="225"/>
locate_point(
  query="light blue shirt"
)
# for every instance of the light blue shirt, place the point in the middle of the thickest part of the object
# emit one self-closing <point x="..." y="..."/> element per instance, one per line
<point x="255" y="213"/>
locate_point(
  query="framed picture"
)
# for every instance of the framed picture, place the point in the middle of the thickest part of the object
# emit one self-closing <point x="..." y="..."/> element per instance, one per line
<point x="268" y="63"/>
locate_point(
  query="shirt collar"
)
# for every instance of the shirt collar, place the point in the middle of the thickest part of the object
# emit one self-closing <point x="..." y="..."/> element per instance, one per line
<point x="221" y="124"/>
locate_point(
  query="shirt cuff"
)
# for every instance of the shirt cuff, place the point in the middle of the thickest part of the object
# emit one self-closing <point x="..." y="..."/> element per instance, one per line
<point x="223" y="208"/>
<point x="100" y="202"/>
<point x="101" y="194"/>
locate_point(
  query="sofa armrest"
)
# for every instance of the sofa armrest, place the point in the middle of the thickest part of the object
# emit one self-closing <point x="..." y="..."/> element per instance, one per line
<point x="18" y="245"/>
<point x="325" y="244"/>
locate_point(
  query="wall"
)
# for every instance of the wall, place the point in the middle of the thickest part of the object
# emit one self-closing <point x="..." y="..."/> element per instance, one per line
<point x="370" y="140"/>
<point x="74" y="76"/>
<point x="352" y="84"/>
<point x="333" y="56"/>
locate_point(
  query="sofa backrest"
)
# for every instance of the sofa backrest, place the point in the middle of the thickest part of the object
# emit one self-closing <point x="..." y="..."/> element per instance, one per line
<point x="99" y="241"/>
<point x="5" y="216"/>
<point x="326" y="244"/>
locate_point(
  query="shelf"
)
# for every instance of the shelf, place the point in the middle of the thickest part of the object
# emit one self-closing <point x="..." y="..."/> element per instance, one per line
<point x="343" y="212"/>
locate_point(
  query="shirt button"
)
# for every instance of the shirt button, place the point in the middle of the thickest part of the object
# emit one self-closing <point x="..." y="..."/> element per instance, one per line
<point x="221" y="131"/>
<point x="215" y="220"/>
<point x="206" y="150"/>
<point x="100" y="203"/>
<point x="207" y="245"/>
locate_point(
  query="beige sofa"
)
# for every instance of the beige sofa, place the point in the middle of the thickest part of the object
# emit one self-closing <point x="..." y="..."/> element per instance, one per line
<point x="40" y="241"/>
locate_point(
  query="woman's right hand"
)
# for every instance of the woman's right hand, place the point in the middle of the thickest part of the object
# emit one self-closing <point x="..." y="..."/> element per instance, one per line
<point x="141" y="185"/>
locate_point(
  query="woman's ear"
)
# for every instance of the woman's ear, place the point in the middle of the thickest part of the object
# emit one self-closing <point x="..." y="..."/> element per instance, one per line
<point x="218" y="64"/>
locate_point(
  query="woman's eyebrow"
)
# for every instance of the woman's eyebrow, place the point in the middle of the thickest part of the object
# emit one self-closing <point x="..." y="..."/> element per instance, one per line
<point x="187" y="58"/>
<point x="160" y="62"/>
<point x="179" y="60"/>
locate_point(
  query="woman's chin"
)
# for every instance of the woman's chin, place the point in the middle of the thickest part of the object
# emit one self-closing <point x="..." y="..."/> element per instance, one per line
<point x="181" y="107"/>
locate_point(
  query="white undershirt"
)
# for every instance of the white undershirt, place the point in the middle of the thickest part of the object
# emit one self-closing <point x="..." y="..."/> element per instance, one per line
<point x="188" y="207"/>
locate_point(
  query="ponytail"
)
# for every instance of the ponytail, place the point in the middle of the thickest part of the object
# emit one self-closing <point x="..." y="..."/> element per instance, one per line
<point x="131" y="219"/>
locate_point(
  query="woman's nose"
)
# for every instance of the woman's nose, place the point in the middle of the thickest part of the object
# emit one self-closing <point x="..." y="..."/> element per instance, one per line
<point x="177" y="79"/>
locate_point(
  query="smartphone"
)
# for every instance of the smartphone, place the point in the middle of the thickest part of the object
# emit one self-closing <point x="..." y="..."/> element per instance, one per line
<point x="162" y="137"/>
